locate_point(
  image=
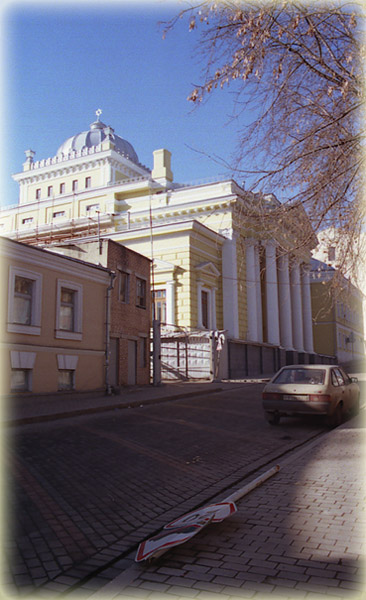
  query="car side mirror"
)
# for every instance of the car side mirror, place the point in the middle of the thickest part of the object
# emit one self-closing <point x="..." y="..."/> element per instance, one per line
<point x="354" y="379"/>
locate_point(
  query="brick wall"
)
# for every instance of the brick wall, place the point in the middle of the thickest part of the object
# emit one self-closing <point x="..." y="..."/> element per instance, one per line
<point x="130" y="322"/>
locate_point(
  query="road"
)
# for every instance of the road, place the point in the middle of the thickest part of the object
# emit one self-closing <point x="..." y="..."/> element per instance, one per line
<point x="84" y="491"/>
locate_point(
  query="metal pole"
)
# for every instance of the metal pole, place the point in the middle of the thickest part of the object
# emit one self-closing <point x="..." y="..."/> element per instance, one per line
<point x="253" y="484"/>
<point x="156" y="353"/>
<point x="107" y="332"/>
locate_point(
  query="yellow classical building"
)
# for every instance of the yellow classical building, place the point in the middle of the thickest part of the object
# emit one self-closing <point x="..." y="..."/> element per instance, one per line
<point x="338" y="315"/>
<point x="218" y="261"/>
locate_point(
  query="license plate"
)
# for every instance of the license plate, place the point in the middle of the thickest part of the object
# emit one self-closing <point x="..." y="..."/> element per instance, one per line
<point x="299" y="397"/>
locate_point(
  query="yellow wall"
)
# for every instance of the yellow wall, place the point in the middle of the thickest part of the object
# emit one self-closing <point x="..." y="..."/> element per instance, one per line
<point x="90" y="349"/>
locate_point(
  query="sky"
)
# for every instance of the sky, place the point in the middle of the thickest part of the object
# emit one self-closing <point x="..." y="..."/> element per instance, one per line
<point x="61" y="61"/>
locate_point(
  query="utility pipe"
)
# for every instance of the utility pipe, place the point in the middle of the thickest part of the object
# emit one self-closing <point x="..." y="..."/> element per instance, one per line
<point x="112" y="275"/>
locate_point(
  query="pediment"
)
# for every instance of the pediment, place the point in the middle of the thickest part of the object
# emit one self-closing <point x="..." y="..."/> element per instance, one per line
<point x="163" y="265"/>
<point x="208" y="267"/>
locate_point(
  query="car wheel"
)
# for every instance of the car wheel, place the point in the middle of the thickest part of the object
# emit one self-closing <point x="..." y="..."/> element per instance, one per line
<point x="336" y="418"/>
<point x="273" y="418"/>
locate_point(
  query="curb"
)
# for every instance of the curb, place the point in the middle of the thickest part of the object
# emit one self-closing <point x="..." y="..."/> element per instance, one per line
<point x="105" y="408"/>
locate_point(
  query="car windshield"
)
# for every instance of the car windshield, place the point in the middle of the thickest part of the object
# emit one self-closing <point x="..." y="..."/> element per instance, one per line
<point x="301" y="375"/>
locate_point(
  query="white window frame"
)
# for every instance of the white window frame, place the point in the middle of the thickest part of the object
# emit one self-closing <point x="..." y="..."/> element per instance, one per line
<point x="77" y="333"/>
<point x="121" y="273"/>
<point x="140" y="278"/>
<point x="59" y="214"/>
<point x="34" y="328"/>
<point x="92" y="209"/>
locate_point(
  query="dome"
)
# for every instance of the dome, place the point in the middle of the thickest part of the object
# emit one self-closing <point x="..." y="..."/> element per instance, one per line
<point x="97" y="133"/>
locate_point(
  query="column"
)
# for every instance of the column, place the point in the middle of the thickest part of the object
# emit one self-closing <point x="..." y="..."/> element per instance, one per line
<point x="273" y="322"/>
<point x="170" y="302"/>
<point x="199" y="305"/>
<point x="297" y="326"/>
<point x="285" y="302"/>
<point x="213" y="308"/>
<point x="258" y="294"/>
<point x="230" y="286"/>
<point x="306" y="309"/>
<point x="252" y="300"/>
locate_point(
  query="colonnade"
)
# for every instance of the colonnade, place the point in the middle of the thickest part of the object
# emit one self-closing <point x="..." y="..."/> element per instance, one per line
<point x="281" y="295"/>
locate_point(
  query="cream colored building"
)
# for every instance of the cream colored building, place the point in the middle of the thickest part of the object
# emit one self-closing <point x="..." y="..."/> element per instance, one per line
<point x="53" y="321"/>
<point x="338" y="316"/>
<point x="216" y="265"/>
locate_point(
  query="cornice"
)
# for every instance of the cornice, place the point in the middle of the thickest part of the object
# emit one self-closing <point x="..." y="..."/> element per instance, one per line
<point x="56" y="262"/>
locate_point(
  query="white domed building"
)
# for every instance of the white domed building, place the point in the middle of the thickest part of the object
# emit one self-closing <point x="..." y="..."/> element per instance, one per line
<point x="212" y="271"/>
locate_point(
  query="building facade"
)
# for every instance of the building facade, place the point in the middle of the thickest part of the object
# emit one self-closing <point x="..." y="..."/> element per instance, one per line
<point x="53" y="326"/>
<point x="338" y="316"/>
<point x="130" y="309"/>
<point x="216" y="263"/>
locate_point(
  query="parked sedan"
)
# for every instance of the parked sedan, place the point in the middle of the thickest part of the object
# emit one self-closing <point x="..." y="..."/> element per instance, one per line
<point x="311" y="389"/>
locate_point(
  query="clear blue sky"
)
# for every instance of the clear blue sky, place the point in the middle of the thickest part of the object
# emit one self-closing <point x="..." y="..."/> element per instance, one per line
<point x="63" y="63"/>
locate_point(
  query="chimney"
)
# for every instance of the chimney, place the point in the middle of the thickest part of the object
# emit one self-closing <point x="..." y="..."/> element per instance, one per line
<point x="161" y="171"/>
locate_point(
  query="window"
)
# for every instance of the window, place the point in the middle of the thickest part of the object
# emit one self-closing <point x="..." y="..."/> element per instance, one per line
<point x="24" y="301"/>
<point x="23" y="295"/>
<point x="124" y="287"/>
<point x="58" y="214"/>
<point x="92" y="208"/>
<point x="62" y="188"/>
<point x="301" y="375"/>
<point x="337" y="378"/>
<point x="159" y="307"/>
<point x="22" y="365"/>
<point x="87" y="182"/>
<point x="205" y="310"/>
<point x="38" y="193"/>
<point x="66" y="379"/>
<point x="140" y="292"/>
<point x="66" y="364"/>
<point x="69" y="310"/>
<point x="27" y="221"/>
<point x="50" y="191"/>
<point x="75" y="185"/>
<point x="20" y="380"/>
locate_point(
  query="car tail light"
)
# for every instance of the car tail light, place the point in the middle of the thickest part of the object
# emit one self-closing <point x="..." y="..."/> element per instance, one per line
<point x="320" y="398"/>
<point x="271" y="396"/>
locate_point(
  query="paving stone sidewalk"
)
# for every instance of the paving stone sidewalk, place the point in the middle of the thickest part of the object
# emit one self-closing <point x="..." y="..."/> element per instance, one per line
<point x="300" y="535"/>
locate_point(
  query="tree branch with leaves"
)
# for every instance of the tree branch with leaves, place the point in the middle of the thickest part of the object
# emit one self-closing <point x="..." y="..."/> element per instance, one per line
<point x="297" y="72"/>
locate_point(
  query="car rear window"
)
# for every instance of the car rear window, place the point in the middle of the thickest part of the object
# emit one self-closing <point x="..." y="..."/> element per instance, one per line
<point x="306" y="376"/>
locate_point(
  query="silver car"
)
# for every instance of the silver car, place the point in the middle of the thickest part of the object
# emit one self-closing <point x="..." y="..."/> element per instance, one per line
<point x="311" y="389"/>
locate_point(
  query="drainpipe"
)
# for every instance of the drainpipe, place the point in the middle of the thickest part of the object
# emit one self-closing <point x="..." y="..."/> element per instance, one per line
<point x="112" y="275"/>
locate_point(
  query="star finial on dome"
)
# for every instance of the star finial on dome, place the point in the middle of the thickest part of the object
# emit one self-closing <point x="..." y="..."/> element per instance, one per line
<point x="98" y="112"/>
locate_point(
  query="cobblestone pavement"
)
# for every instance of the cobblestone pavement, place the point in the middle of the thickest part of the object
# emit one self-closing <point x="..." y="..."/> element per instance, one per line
<point x="87" y="490"/>
<point x="301" y="534"/>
